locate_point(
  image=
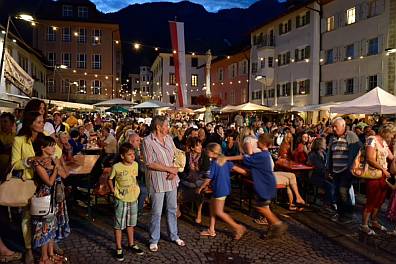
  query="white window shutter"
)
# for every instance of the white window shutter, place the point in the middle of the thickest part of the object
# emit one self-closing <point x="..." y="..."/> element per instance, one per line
<point x="363" y="84"/>
<point x="363" y="47"/>
<point x="342" y="19"/>
<point x="323" y="25"/>
<point x="355" y="85"/>
<point x="335" y="87"/>
<point x="381" y="6"/>
<point x="356" y="47"/>
<point x="342" y="87"/>
<point x="380" y="44"/>
<point x="363" y="11"/>
<point x="342" y="53"/>
<point x="379" y="80"/>
<point x="322" y="88"/>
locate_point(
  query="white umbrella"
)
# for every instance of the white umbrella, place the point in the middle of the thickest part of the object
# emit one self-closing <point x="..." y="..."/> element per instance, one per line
<point x="247" y="107"/>
<point x="151" y="104"/>
<point x="376" y="101"/>
<point x="227" y="108"/>
<point x="112" y="102"/>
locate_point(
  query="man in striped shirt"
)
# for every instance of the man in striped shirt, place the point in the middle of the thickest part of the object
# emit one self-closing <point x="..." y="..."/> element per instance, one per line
<point x="342" y="151"/>
<point x="159" y="154"/>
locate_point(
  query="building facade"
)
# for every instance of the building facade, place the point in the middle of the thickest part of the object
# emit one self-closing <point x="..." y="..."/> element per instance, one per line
<point x="230" y="78"/>
<point x="358" y="38"/>
<point x="164" y="79"/>
<point x="23" y="74"/>
<point x="83" y="50"/>
<point x="284" y="58"/>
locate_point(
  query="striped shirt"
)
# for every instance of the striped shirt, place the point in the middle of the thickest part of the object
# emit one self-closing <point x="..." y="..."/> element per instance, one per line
<point x="156" y="152"/>
<point x="339" y="150"/>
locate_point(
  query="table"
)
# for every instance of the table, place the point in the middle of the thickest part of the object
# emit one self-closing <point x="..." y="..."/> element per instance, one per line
<point x="81" y="166"/>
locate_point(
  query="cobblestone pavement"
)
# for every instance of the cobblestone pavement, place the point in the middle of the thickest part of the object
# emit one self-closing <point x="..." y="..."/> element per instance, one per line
<point x="94" y="243"/>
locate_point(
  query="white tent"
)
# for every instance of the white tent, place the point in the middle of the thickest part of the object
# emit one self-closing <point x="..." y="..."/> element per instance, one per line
<point x="110" y="103"/>
<point x="151" y="104"/>
<point x="376" y="101"/>
<point x="246" y="107"/>
<point x="316" y="107"/>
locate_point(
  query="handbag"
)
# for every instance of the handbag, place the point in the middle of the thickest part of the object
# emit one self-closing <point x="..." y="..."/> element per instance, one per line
<point x="180" y="159"/>
<point x="361" y="169"/>
<point x="42" y="206"/>
<point x="16" y="192"/>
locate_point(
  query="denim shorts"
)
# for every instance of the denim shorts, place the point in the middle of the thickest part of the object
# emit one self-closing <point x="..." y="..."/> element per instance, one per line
<point x="125" y="214"/>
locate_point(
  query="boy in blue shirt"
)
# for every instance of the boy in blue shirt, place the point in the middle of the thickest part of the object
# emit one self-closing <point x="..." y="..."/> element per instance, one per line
<point x="260" y="165"/>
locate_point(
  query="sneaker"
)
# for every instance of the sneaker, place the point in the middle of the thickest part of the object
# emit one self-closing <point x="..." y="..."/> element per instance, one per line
<point x="120" y="255"/>
<point x="153" y="247"/>
<point x="136" y="250"/>
<point x="277" y="230"/>
<point x="367" y="230"/>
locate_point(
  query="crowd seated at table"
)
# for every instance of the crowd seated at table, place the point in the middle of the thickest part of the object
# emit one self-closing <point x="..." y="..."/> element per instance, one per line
<point x="303" y="158"/>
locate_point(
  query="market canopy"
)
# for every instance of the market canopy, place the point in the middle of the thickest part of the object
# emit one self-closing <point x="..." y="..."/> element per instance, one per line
<point x="227" y="108"/>
<point x="246" y="107"/>
<point x="316" y="107"/>
<point x="376" y="101"/>
<point x="112" y="102"/>
<point x="151" y="104"/>
<point x="117" y="109"/>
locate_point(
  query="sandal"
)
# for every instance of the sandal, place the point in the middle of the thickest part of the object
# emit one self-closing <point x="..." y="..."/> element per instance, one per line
<point x="58" y="259"/>
<point x="261" y="221"/>
<point x="378" y="226"/>
<point x="367" y="230"/>
<point x="239" y="234"/>
<point x="180" y="243"/>
<point x="208" y="233"/>
<point x="13" y="257"/>
<point x="292" y="207"/>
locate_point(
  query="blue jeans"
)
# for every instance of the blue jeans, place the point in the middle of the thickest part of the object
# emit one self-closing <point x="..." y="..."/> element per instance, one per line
<point x="156" y="212"/>
<point x="343" y="182"/>
<point x="142" y="196"/>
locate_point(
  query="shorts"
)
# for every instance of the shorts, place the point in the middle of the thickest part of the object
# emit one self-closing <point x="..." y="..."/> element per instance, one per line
<point x="263" y="202"/>
<point x="125" y="214"/>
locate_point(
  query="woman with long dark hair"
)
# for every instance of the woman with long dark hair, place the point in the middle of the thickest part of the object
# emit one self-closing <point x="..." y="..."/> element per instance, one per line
<point x="22" y="158"/>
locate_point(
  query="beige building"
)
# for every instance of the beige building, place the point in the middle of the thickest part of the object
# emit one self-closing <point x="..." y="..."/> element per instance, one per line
<point x="164" y="79"/>
<point x="358" y="40"/>
<point x="23" y="74"/>
<point x="284" y="58"/>
<point x="74" y="34"/>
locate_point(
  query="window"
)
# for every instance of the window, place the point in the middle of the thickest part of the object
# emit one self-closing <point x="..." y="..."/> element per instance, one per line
<point x="66" y="59"/>
<point x="329" y="56"/>
<point x="97" y="36"/>
<point x="172" y="79"/>
<point x="330" y="23"/>
<point x="349" y="52"/>
<point x="97" y="87"/>
<point x="51" y="86"/>
<point x="172" y="99"/>
<point x="349" y="86"/>
<point x="302" y="20"/>
<point x="285" y="27"/>
<point x="194" y="80"/>
<point x="232" y="70"/>
<point x="82" y="12"/>
<point x="372" y="82"/>
<point x="303" y="87"/>
<point x="284" y="58"/>
<point x="96" y="61"/>
<point x="262" y="63"/>
<point x="23" y="62"/>
<point x="270" y="62"/>
<point x="194" y="62"/>
<point x="301" y="54"/>
<point x="171" y="61"/>
<point x="221" y="74"/>
<point x="67" y="10"/>
<point x="256" y="95"/>
<point x="373" y="46"/>
<point x="51" y="57"/>
<point x="82" y="35"/>
<point x="244" y="67"/>
<point x="51" y="34"/>
<point x="66" y="36"/>
<point x="374" y="8"/>
<point x="271" y="41"/>
<point x="81" y="60"/>
<point x="351" y="15"/>
<point x="254" y="67"/>
<point x="329" y="88"/>
<point x="82" y="85"/>
<point x="65" y="86"/>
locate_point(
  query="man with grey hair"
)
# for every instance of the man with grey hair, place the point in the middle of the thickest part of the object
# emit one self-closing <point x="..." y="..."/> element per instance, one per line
<point x="342" y="151"/>
<point x="135" y="141"/>
<point x="159" y="155"/>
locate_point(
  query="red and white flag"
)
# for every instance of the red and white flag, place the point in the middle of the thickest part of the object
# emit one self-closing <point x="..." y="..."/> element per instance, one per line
<point x="179" y="57"/>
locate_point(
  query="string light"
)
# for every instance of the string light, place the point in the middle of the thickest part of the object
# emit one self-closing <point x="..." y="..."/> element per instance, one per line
<point x="136" y="46"/>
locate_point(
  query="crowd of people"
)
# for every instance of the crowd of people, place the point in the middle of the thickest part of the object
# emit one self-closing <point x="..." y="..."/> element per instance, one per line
<point x="146" y="167"/>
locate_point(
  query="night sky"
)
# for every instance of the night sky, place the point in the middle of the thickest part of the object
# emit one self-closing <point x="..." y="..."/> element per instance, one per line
<point x="210" y="5"/>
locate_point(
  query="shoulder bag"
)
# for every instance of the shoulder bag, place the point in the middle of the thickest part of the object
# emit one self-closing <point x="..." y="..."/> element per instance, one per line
<point x="361" y="169"/>
<point x="43" y="206"/>
<point x="16" y="192"/>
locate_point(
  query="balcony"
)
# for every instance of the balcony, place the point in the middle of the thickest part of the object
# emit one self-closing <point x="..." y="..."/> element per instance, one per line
<point x="265" y="44"/>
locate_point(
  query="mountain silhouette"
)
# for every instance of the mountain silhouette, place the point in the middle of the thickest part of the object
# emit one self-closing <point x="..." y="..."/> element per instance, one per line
<point x="148" y="24"/>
